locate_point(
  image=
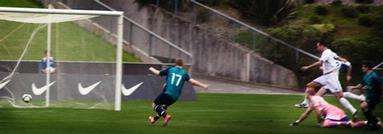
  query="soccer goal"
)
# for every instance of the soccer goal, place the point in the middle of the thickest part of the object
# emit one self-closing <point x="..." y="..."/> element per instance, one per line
<point x="61" y="58"/>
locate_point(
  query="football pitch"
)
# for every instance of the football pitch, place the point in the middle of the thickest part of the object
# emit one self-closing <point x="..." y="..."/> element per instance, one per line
<point x="210" y="113"/>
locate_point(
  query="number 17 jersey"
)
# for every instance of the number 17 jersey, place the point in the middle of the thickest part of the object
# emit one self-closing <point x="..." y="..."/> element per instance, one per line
<point x="175" y="79"/>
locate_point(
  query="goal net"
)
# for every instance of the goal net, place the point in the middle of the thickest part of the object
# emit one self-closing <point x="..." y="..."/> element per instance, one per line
<point x="62" y="58"/>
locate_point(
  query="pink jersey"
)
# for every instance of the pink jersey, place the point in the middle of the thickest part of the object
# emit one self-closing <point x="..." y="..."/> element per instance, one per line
<point x="330" y="111"/>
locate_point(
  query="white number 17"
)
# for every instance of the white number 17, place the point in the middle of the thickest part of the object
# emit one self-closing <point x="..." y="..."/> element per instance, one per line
<point x="179" y="77"/>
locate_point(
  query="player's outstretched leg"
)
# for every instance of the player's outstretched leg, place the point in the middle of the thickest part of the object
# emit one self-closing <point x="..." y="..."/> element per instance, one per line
<point x="351" y="95"/>
<point x="303" y="104"/>
<point x="346" y="104"/>
<point x="330" y="123"/>
<point x="161" y="112"/>
<point x="373" y="121"/>
<point x="358" y="124"/>
<point x="167" y="119"/>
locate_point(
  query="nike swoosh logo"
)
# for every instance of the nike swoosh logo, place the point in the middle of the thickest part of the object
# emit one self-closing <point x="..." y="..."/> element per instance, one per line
<point x="129" y="91"/>
<point x="85" y="91"/>
<point x="4" y="83"/>
<point x="39" y="91"/>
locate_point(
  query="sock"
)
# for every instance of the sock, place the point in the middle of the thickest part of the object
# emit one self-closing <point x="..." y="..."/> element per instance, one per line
<point x="359" y="124"/>
<point x="330" y="123"/>
<point x="156" y="117"/>
<point x="346" y="104"/>
<point x="160" y="111"/>
<point x="354" y="96"/>
<point x="304" y="102"/>
<point x="371" y="119"/>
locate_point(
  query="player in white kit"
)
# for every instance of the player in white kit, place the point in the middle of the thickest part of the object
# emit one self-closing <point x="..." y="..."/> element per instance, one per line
<point x="329" y="81"/>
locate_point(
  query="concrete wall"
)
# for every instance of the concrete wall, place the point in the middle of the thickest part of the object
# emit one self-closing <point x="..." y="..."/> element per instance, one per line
<point x="213" y="55"/>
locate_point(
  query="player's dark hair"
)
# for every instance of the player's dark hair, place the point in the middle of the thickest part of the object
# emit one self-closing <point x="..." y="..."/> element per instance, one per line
<point x="367" y="64"/>
<point x="320" y="43"/>
<point x="179" y="62"/>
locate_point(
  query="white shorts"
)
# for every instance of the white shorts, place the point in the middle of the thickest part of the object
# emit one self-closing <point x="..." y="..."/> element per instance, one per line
<point x="50" y="69"/>
<point x="330" y="82"/>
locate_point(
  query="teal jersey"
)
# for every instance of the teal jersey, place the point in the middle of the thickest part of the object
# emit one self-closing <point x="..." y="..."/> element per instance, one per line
<point x="372" y="82"/>
<point x="175" y="79"/>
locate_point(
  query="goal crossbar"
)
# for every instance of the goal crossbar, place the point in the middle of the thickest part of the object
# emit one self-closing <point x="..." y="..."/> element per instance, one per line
<point x="60" y="11"/>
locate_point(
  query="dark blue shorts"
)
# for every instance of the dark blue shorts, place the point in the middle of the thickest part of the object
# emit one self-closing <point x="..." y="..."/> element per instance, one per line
<point x="164" y="99"/>
<point x="343" y="119"/>
<point x="372" y="102"/>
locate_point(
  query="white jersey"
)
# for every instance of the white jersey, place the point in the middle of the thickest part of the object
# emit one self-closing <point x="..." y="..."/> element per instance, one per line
<point x="330" y="67"/>
<point x="329" y="63"/>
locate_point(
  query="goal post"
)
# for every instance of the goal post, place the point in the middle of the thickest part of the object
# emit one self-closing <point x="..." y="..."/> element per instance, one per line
<point x="44" y="18"/>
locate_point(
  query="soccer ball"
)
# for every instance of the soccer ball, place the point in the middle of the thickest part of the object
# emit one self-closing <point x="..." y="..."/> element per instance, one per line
<point x="27" y="98"/>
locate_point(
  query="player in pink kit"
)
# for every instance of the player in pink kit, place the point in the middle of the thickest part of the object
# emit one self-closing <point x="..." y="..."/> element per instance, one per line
<point x="332" y="116"/>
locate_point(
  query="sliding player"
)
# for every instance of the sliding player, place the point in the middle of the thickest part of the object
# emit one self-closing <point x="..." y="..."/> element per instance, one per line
<point x="332" y="116"/>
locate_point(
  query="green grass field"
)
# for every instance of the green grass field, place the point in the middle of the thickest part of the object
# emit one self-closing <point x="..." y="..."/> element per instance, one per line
<point x="211" y="113"/>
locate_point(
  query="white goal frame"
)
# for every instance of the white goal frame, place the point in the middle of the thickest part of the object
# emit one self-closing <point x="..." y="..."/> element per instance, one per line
<point x="119" y="14"/>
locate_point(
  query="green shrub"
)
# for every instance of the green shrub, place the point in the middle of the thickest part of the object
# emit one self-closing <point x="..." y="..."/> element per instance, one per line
<point x="336" y="3"/>
<point x="301" y="36"/>
<point x="349" y="12"/>
<point x="202" y="16"/>
<point x="358" y="50"/>
<point x="363" y="9"/>
<point x="266" y="12"/>
<point x="169" y="5"/>
<point x="297" y="34"/>
<point x="324" y="28"/>
<point x="366" y="20"/>
<point x="377" y="28"/>
<point x="288" y="33"/>
<point x="321" y="10"/>
<point x="315" y="19"/>
<point x="309" y="1"/>
<point x="245" y="38"/>
<point x="364" y="1"/>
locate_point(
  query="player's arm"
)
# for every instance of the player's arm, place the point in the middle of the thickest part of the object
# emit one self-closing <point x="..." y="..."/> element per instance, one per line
<point x="319" y="114"/>
<point x="349" y="73"/>
<point x="312" y="65"/>
<point x="197" y="83"/>
<point x="352" y="88"/>
<point x="359" y="86"/>
<point x="349" y="68"/>
<point x="303" y="116"/>
<point x="341" y="59"/>
<point x="154" y="71"/>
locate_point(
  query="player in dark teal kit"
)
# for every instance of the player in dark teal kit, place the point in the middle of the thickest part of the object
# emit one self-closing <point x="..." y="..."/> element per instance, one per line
<point x="372" y="86"/>
<point x="175" y="79"/>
